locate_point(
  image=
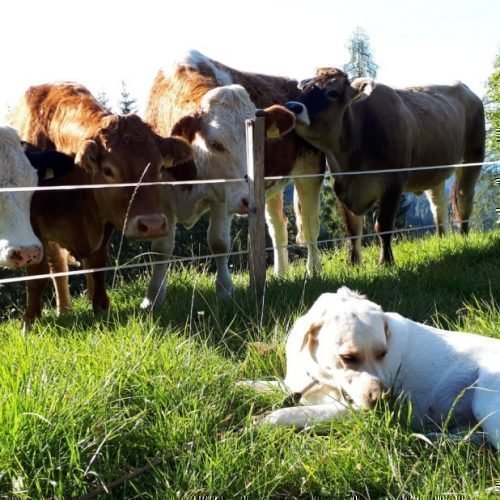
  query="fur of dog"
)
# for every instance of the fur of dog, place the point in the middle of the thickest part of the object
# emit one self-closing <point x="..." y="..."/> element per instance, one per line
<point x="346" y="352"/>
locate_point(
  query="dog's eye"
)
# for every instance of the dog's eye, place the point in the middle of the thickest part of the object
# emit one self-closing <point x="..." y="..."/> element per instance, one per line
<point x="349" y="358"/>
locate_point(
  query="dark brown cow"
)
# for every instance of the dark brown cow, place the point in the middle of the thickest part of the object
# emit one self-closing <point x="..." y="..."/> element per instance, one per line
<point x="108" y="149"/>
<point x="363" y="126"/>
<point x="215" y="100"/>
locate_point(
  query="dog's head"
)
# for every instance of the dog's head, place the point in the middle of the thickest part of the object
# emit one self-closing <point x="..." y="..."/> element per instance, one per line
<point x="345" y="342"/>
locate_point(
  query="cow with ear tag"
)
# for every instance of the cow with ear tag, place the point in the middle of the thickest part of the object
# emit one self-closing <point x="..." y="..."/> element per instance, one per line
<point x="108" y="149"/>
<point x="207" y="103"/>
<point x="361" y="126"/>
<point x="19" y="246"/>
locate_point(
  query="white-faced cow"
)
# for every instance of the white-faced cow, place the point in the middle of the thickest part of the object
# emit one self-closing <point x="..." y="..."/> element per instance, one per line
<point x="363" y="126"/>
<point x="19" y="246"/>
<point x="207" y="103"/>
<point x="108" y="149"/>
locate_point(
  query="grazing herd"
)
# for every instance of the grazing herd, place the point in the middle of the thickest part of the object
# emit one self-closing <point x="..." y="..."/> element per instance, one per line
<point x="193" y="129"/>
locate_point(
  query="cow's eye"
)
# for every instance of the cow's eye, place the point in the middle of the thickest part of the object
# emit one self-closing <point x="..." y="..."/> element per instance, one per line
<point x="108" y="172"/>
<point x="216" y="146"/>
<point x="332" y="94"/>
<point x="349" y="359"/>
<point x="381" y="355"/>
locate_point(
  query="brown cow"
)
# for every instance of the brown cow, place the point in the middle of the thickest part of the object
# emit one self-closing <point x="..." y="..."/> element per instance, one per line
<point x="215" y="100"/>
<point x="108" y="149"/>
<point x="363" y="126"/>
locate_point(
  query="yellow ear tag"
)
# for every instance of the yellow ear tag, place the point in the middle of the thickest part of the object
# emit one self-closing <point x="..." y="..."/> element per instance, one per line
<point x="168" y="162"/>
<point x="273" y="132"/>
<point x="357" y="96"/>
<point x="49" y="174"/>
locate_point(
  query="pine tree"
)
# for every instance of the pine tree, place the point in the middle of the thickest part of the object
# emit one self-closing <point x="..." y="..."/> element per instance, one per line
<point x="361" y="62"/>
<point x="103" y="99"/>
<point x="126" y="104"/>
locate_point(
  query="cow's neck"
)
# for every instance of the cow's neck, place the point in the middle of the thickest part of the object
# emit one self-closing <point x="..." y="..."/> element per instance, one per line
<point x="344" y="142"/>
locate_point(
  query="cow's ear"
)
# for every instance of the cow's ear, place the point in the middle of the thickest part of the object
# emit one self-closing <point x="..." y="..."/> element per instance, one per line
<point x="187" y="127"/>
<point x="174" y="150"/>
<point x="278" y="121"/>
<point x="87" y="157"/>
<point x="361" y="88"/>
<point x="50" y="164"/>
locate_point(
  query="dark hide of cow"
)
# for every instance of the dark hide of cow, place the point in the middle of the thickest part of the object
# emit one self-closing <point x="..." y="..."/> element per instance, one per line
<point x="365" y="126"/>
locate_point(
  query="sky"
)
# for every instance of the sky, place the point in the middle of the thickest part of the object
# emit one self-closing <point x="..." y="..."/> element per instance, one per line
<point x="102" y="43"/>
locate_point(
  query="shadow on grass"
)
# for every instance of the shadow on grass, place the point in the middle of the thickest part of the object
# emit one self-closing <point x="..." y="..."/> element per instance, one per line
<point x="420" y="289"/>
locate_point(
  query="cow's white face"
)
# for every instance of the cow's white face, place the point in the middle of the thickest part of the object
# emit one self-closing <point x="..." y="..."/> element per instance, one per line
<point x="220" y="145"/>
<point x="19" y="246"/>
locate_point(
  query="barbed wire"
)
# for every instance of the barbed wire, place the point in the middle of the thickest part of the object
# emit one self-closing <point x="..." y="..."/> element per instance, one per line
<point x="242" y="179"/>
<point x="175" y="260"/>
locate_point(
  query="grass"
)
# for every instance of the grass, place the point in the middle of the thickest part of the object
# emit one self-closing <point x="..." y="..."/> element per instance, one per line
<point x="84" y="401"/>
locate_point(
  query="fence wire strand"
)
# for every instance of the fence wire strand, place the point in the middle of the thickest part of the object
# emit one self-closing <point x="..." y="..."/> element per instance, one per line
<point x="229" y="181"/>
<point x="176" y="260"/>
<point x="223" y="181"/>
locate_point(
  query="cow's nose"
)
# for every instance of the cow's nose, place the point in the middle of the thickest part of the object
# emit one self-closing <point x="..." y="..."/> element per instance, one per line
<point x="147" y="227"/>
<point x="25" y="256"/>
<point x="295" y="107"/>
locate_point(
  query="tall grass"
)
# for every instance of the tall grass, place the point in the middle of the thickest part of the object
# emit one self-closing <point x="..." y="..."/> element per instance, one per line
<point x="84" y="401"/>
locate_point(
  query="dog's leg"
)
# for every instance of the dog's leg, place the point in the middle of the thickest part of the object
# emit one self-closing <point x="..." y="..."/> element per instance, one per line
<point x="486" y="408"/>
<point x="302" y="416"/>
<point x="264" y="385"/>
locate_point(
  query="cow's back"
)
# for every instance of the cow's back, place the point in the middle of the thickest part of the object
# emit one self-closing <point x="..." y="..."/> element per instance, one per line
<point x="447" y="119"/>
<point x="57" y="116"/>
<point x="175" y="94"/>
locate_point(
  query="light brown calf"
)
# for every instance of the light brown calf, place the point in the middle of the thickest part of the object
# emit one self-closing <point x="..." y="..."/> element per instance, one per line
<point x="108" y="149"/>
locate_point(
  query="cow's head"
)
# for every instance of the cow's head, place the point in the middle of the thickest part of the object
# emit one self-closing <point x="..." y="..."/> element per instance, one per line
<point x="19" y="246"/>
<point x="320" y="106"/>
<point x="217" y="133"/>
<point x="126" y="150"/>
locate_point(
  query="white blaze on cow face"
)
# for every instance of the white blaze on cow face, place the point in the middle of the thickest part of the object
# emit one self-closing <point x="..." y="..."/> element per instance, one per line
<point x="19" y="246"/>
<point x="220" y="145"/>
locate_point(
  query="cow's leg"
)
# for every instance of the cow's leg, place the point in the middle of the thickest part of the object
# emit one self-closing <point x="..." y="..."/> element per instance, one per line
<point x="306" y="204"/>
<point x="58" y="263"/>
<point x="354" y="228"/>
<point x="35" y="289"/>
<point x="277" y="226"/>
<point x="162" y="249"/>
<point x="219" y="241"/>
<point x="463" y="195"/>
<point x="384" y="225"/>
<point x="96" y="282"/>
<point x="439" y="207"/>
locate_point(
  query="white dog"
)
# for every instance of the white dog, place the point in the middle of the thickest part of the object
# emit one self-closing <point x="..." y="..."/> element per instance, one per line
<point x="346" y="351"/>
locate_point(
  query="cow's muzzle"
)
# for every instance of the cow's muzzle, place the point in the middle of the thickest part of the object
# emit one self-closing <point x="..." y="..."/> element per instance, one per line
<point x="147" y="227"/>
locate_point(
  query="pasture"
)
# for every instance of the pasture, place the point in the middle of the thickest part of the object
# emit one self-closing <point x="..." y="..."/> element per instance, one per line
<point x="83" y="402"/>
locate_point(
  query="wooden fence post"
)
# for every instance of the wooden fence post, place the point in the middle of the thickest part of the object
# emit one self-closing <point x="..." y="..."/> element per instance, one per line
<point x="255" y="137"/>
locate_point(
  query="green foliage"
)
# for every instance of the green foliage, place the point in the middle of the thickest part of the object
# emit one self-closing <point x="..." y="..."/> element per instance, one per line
<point x="84" y="401"/>
<point x="492" y="108"/>
<point x="361" y="62"/>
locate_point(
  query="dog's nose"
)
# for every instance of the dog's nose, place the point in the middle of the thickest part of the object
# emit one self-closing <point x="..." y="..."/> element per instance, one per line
<point x="375" y="392"/>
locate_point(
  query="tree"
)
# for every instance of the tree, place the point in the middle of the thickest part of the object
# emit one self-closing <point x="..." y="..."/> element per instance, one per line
<point x="485" y="215"/>
<point x="361" y="62"/>
<point x="103" y="99"/>
<point x="492" y="109"/>
<point x="126" y="104"/>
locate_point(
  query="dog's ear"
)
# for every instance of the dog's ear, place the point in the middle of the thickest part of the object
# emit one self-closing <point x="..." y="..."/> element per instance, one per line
<point x="386" y="327"/>
<point x="310" y="339"/>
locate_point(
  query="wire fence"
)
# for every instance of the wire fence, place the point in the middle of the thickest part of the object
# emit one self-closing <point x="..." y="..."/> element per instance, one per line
<point x="242" y="179"/>
<point x="128" y="266"/>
